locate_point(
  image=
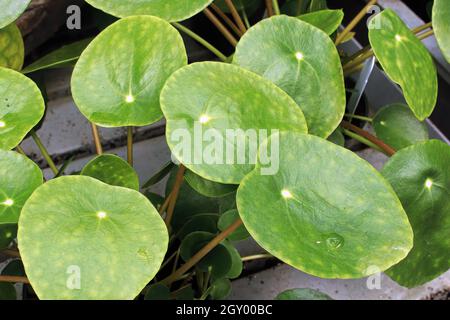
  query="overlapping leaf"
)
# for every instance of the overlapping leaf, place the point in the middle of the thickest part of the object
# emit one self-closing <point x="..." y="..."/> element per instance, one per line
<point x="291" y="54"/>
<point x="334" y="222"/>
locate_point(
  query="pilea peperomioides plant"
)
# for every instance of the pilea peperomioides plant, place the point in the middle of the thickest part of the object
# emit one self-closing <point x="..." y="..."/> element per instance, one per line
<point x="253" y="155"/>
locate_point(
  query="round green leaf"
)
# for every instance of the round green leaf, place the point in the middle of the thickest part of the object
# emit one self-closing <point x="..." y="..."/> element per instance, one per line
<point x="421" y="177"/>
<point x="8" y="232"/>
<point x="223" y="105"/>
<point x="291" y="54"/>
<point x="207" y="187"/>
<point x="12" y="51"/>
<point x="80" y="238"/>
<point x="11" y="10"/>
<point x="19" y="113"/>
<point x="302" y="294"/>
<point x="7" y="291"/>
<point x="217" y="260"/>
<point x="171" y="10"/>
<point x="60" y="57"/>
<point x="236" y="261"/>
<point x="333" y="216"/>
<point x="220" y="289"/>
<point x="250" y="6"/>
<point x="200" y="222"/>
<point x="441" y="25"/>
<point x="226" y="220"/>
<point x="112" y="170"/>
<point x="19" y="177"/>
<point x="118" y="78"/>
<point x="406" y="61"/>
<point x="396" y="125"/>
<point x="326" y="20"/>
<point x="157" y="291"/>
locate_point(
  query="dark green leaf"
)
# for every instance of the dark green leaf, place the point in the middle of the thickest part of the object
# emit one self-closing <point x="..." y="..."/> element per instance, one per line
<point x="396" y="125"/>
<point x="421" y="177"/>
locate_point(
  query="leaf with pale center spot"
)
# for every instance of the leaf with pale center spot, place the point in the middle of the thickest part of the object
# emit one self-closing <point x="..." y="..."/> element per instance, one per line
<point x="406" y="61"/>
<point x="441" y="25"/>
<point x="112" y="170"/>
<point x="19" y="177"/>
<point x="421" y="177"/>
<point x="11" y="10"/>
<point x="302" y="294"/>
<point x="230" y="111"/>
<point x="118" y="78"/>
<point x="76" y="228"/>
<point x="291" y="54"/>
<point x="396" y="125"/>
<point x="21" y="107"/>
<point x="326" y="20"/>
<point x="171" y="10"/>
<point x="334" y="222"/>
<point x="12" y="50"/>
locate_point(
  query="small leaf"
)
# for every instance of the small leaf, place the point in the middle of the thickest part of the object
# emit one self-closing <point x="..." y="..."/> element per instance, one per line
<point x="290" y="53"/>
<point x="118" y="78"/>
<point x="326" y="20"/>
<point x="8" y="232"/>
<point x="198" y="100"/>
<point x="226" y="220"/>
<point x="337" y="221"/>
<point x="217" y="260"/>
<point x="19" y="178"/>
<point x="441" y="26"/>
<point x="207" y="187"/>
<point x="236" y="261"/>
<point x="11" y="10"/>
<point x="421" y="177"/>
<point x="302" y="294"/>
<point x="396" y="125"/>
<point x="173" y="10"/>
<point x="19" y="113"/>
<point x="406" y="61"/>
<point x="220" y="289"/>
<point x="76" y="234"/>
<point x="200" y="222"/>
<point x="112" y="170"/>
<point x="60" y="57"/>
<point x="161" y="174"/>
<point x="157" y="292"/>
<point x="12" y="51"/>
